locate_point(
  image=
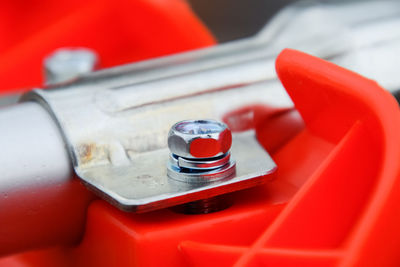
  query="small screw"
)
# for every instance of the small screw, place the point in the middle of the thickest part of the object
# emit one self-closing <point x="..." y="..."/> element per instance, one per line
<point x="200" y="151"/>
<point x="69" y="63"/>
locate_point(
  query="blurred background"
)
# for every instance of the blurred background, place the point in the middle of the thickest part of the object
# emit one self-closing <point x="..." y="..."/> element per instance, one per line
<point x="362" y="35"/>
<point x="234" y="19"/>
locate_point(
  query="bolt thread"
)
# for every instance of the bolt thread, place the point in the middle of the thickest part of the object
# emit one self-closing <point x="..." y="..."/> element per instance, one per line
<point x="204" y="206"/>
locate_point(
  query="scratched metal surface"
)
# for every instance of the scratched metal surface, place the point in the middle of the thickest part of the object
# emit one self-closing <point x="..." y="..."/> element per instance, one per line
<point x="143" y="185"/>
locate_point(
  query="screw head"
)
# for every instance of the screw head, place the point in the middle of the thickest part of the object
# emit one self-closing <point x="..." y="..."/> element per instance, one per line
<point x="199" y="139"/>
<point x="68" y="63"/>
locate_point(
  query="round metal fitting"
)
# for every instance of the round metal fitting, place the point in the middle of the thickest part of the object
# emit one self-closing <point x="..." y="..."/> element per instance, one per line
<point x="69" y="63"/>
<point x="200" y="151"/>
<point x="195" y="164"/>
<point x="196" y="139"/>
<point x="199" y="176"/>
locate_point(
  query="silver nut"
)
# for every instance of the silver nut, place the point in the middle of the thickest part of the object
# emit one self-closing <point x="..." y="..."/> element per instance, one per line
<point x="199" y="139"/>
<point x="69" y="63"/>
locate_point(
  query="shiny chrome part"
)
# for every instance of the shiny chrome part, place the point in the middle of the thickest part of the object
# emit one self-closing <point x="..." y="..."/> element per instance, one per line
<point x="194" y="139"/>
<point x="201" y="176"/>
<point x="115" y="121"/>
<point x="203" y="164"/>
<point x="200" y="151"/>
<point x="69" y="63"/>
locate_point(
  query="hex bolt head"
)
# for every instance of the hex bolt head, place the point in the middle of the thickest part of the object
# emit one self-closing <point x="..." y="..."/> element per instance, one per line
<point x="199" y="139"/>
<point x="65" y="64"/>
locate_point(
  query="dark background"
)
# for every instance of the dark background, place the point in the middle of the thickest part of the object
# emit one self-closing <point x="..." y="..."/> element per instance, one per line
<point x="234" y="19"/>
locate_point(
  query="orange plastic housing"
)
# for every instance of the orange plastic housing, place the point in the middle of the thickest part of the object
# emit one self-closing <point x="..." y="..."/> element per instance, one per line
<point x="334" y="200"/>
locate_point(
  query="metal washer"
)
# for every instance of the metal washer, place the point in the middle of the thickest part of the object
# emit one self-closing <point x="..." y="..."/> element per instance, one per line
<point x="193" y="176"/>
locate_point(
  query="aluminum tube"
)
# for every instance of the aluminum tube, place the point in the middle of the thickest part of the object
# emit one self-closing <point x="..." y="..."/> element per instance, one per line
<point x="41" y="204"/>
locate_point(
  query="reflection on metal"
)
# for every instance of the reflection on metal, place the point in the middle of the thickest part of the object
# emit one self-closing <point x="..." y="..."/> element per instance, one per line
<point x="200" y="151"/>
<point x="115" y="121"/>
<point x="190" y="175"/>
<point x="194" y="139"/>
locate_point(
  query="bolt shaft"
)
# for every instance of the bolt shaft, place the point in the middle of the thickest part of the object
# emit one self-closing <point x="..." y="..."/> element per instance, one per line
<point x="204" y="206"/>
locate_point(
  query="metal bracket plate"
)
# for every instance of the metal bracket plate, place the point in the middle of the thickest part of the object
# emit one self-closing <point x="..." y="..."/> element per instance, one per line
<point x="123" y="155"/>
<point x="115" y="122"/>
<point x="144" y="185"/>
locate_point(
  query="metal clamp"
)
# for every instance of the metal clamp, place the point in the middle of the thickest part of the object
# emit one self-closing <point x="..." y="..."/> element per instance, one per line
<point x="115" y="124"/>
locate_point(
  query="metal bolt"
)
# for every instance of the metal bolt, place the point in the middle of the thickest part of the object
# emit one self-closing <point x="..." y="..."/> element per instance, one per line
<point x="204" y="206"/>
<point x="69" y="63"/>
<point x="200" y="151"/>
<point x="195" y="139"/>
